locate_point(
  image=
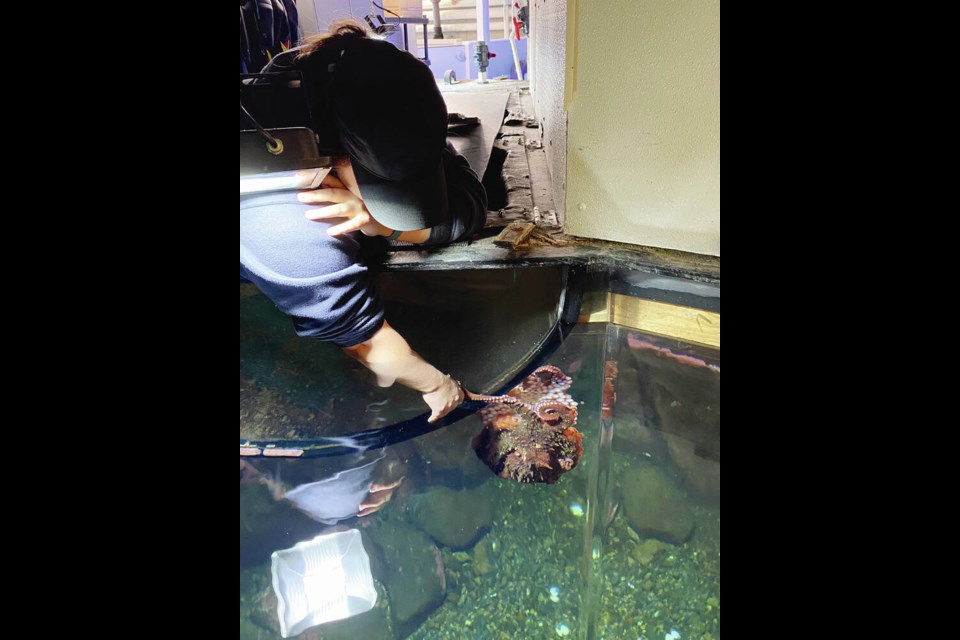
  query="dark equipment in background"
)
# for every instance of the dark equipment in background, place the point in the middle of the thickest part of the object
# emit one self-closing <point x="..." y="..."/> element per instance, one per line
<point x="379" y="27"/>
<point x="279" y="99"/>
<point x="286" y="138"/>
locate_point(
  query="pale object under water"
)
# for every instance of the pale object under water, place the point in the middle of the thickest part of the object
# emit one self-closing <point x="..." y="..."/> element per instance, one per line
<point x="335" y="498"/>
<point x="321" y="580"/>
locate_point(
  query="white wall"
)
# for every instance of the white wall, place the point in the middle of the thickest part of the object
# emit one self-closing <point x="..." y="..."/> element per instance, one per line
<point x="643" y="107"/>
<point x="327" y="11"/>
<point x="546" y="63"/>
<point x="308" y="16"/>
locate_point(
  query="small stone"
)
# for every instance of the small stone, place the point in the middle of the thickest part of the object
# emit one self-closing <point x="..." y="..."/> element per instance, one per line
<point x="647" y="550"/>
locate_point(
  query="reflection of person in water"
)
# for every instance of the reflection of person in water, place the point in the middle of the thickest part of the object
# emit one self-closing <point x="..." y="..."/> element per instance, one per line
<point x="355" y="485"/>
<point x="399" y="180"/>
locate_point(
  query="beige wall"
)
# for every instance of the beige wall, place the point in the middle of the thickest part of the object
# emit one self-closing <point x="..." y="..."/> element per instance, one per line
<point x="643" y="108"/>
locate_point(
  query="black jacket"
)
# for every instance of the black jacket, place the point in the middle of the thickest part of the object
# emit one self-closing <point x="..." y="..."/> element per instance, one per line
<point x="267" y="27"/>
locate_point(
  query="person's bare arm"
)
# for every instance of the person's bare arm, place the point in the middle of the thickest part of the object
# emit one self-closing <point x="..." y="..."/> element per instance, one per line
<point x="391" y="359"/>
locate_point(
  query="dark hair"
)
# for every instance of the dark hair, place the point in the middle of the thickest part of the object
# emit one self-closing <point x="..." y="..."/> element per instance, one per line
<point x="339" y="32"/>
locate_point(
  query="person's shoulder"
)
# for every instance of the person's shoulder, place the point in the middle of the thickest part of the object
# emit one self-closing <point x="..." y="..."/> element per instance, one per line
<point x="452" y="156"/>
<point x="450" y="149"/>
<point x="456" y="165"/>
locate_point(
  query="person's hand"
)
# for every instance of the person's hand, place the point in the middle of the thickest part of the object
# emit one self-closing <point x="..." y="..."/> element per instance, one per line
<point x="333" y="181"/>
<point x="345" y="204"/>
<point x="444" y="398"/>
<point x="379" y="495"/>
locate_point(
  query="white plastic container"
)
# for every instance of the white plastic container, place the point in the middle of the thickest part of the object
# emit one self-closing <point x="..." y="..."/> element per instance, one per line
<point x="321" y="580"/>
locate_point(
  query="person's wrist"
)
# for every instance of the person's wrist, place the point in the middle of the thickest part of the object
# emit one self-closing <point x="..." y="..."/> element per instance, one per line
<point x="448" y="379"/>
<point x="444" y="378"/>
<point x="394" y="235"/>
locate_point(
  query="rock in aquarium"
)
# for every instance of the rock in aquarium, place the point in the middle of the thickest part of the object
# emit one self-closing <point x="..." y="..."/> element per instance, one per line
<point x="528" y="435"/>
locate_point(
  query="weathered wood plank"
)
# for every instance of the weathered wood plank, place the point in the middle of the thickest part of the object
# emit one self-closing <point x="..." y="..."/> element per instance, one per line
<point x="672" y="321"/>
<point x="515" y="235"/>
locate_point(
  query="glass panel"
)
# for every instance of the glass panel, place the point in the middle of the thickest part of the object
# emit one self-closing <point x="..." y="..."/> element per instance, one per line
<point x="624" y="545"/>
<point x="660" y="571"/>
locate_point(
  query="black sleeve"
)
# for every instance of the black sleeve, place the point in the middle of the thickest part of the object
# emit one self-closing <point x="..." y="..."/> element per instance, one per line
<point x="467" y="200"/>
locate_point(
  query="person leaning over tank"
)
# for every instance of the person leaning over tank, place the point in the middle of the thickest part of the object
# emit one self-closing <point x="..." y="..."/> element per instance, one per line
<point x="399" y="179"/>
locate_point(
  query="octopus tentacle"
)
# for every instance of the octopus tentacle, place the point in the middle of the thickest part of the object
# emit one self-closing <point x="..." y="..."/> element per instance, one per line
<point x="479" y="397"/>
<point x="560" y="381"/>
<point x="518" y="404"/>
<point x="553" y="411"/>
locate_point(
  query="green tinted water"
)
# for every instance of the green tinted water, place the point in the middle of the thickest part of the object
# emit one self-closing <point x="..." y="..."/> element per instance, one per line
<point x="625" y="546"/>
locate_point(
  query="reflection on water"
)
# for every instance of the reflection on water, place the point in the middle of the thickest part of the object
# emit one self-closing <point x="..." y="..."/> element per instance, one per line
<point x="626" y="545"/>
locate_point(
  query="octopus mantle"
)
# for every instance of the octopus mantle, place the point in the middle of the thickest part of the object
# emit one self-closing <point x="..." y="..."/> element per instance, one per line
<point x="528" y="435"/>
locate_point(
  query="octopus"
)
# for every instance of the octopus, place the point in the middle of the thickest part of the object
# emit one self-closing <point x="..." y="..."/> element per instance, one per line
<point x="528" y="434"/>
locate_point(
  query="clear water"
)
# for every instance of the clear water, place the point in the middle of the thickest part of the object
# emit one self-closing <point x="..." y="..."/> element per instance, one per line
<point x="480" y="326"/>
<point x="625" y="546"/>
